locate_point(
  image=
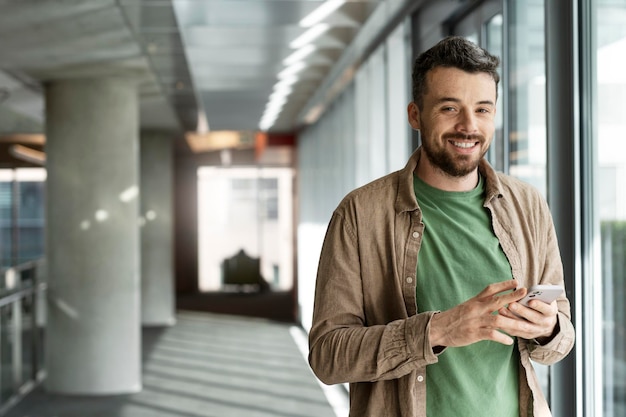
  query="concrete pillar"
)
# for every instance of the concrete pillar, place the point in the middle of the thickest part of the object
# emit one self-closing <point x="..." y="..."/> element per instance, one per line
<point x="157" y="271"/>
<point x="93" y="336"/>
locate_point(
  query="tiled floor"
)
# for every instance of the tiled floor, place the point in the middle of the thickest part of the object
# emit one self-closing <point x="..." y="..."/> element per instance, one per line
<point x="207" y="365"/>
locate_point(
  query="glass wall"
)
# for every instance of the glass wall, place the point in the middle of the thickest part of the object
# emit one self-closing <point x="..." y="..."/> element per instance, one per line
<point x="22" y="299"/>
<point x="364" y="134"/>
<point x="526" y="91"/>
<point x="484" y="25"/>
<point x="494" y="42"/>
<point x="519" y="147"/>
<point x="525" y="82"/>
<point x="608" y="57"/>
<point x="519" y="34"/>
<point x="22" y="211"/>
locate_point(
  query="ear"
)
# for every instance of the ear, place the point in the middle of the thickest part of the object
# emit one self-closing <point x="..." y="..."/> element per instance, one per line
<point x="414" y="115"/>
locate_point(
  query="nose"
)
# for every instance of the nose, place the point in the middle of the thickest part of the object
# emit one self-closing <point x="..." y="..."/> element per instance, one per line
<point x="467" y="122"/>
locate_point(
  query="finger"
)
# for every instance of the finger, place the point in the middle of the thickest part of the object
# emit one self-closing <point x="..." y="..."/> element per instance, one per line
<point x="544" y="308"/>
<point x="512" y="297"/>
<point x="498" y="287"/>
<point x="529" y="330"/>
<point x="496" y="336"/>
<point x="519" y="326"/>
<point x="522" y="311"/>
<point x="503" y="300"/>
<point x="505" y="312"/>
<point x="535" y="323"/>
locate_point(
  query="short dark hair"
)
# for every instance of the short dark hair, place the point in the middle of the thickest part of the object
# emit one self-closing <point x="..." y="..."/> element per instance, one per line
<point x="454" y="52"/>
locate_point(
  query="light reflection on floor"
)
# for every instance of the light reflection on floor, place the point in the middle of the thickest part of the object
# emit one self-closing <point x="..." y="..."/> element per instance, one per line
<point x="207" y="365"/>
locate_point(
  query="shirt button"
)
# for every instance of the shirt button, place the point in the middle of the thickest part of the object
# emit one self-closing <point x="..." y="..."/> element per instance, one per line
<point x="416" y="235"/>
<point x="420" y="378"/>
<point x="409" y="280"/>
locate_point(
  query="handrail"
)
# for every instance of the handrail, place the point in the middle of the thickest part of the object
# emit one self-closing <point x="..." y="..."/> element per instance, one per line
<point x="26" y="265"/>
<point x="24" y="377"/>
<point x="9" y="296"/>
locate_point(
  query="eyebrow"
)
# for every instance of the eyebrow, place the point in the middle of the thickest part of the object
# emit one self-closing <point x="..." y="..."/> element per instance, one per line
<point x="456" y="100"/>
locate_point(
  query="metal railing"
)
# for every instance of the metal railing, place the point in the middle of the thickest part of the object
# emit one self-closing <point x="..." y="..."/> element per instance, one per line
<point x="22" y="327"/>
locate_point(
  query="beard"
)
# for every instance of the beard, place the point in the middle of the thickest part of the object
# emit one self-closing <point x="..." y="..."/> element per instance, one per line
<point x="451" y="164"/>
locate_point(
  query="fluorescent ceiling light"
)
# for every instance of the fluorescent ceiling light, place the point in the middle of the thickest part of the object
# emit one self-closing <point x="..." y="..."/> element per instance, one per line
<point x="291" y="70"/>
<point x="287" y="81"/>
<point x="309" y="36"/>
<point x="272" y="114"/>
<point x="276" y="103"/>
<point x="284" y="89"/>
<point x="264" y="125"/>
<point x="300" y="54"/>
<point x="321" y="13"/>
<point x="268" y="119"/>
<point x="274" y="108"/>
<point x="280" y="93"/>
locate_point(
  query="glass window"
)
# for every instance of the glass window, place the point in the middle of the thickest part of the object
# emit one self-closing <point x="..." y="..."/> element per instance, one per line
<point x="22" y="214"/>
<point x="609" y="86"/>
<point x="371" y="146"/>
<point x="526" y="92"/>
<point x="484" y="26"/>
<point x="525" y="81"/>
<point x="521" y="153"/>
<point x="398" y="75"/>
<point x="30" y="213"/>
<point x="6" y="218"/>
<point x="493" y="43"/>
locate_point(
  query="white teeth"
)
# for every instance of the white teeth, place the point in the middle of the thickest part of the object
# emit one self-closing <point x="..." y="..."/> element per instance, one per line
<point x="465" y="145"/>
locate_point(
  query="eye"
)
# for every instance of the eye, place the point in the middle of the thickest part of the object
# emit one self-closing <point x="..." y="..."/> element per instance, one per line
<point x="448" y="108"/>
<point x="483" y="110"/>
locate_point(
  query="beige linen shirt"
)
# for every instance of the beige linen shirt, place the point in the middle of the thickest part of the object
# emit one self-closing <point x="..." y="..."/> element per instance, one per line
<point x="366" y="330"/>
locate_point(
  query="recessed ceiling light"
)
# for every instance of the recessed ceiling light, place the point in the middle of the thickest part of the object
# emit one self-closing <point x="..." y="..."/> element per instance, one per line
<point x="300" y="54"/>
<point x="291" y="70"/>
<point x="309" y="36"/>
<point x="321" y="13"/>
<point x="283" y="91"/>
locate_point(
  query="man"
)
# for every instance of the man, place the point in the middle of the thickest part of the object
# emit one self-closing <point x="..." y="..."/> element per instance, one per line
<point x="421" y="270"/>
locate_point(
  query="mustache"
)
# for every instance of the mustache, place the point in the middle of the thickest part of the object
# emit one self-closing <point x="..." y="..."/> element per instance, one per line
<point x="461" y="136"/>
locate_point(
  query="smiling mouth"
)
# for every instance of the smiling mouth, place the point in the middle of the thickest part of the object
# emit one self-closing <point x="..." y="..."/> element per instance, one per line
<point x="464" y="145"/>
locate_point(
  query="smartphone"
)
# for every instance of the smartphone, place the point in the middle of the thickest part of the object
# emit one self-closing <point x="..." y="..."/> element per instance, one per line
<point x="545" y="293"/>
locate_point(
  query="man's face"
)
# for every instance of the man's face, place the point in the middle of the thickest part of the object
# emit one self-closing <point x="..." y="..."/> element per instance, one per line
<point x="457" y="119"/>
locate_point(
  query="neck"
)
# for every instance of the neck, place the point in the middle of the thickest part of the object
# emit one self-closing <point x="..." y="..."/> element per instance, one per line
<point x="437" y="178"/>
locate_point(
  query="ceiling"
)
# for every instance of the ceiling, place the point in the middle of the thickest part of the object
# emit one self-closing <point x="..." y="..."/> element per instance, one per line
<point x="201" y="64"/>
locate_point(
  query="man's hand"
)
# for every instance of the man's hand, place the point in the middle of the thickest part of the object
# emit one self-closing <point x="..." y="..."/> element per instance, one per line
<point x="473" y="320"/>
<point x="539" y="319"/>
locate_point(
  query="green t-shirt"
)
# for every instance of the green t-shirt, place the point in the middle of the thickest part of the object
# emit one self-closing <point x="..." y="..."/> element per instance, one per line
<point x="458" y="258"/>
